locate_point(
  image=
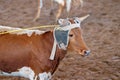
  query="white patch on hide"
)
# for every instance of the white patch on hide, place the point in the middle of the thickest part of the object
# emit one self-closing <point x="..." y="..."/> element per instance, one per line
<point x="44" y="76"/>
<point x="25" y="72"/>
<point x="41" y="3"/>
<point x="68" y="5"/>
<point x="60" y="2"/>
<point x="19" y="31"/>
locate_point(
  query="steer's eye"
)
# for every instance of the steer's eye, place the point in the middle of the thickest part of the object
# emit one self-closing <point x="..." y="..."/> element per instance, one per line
<point x="71" y="35"/>
<point x="76" y="21"/>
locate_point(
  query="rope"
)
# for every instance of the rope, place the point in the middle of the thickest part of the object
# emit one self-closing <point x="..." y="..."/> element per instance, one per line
<point x="22" y="29"/>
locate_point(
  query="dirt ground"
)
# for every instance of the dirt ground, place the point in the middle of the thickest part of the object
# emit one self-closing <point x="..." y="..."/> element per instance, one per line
<point x="101" y="32"/>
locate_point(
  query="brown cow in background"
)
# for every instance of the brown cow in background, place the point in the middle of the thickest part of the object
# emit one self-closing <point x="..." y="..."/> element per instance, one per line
<point x="27" y="53"/>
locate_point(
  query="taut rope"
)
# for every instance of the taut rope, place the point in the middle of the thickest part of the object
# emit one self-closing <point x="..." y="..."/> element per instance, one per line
<point x="22" y="29"/>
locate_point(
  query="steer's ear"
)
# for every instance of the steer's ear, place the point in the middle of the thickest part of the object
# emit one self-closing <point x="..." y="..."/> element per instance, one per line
<point x="83" y="18"/>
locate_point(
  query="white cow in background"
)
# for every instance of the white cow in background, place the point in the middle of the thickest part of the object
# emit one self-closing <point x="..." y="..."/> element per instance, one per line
<point x="62" y="4"/>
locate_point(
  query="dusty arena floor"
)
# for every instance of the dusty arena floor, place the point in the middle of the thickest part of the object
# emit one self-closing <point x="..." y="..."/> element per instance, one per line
<point x="101" y="32"/>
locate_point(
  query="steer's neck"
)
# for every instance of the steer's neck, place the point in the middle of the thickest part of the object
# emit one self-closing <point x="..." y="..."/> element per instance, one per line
<point x="59" y="55"/>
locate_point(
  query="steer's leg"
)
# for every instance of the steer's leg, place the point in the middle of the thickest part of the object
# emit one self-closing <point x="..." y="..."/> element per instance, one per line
<point x="40" y="4"/>
<point x="45" y="76"/>
<point x="61" y="6"/>
<point x="51" y="12"/>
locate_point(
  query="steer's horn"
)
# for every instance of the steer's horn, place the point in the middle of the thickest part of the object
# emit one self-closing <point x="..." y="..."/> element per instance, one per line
<point x="84" y="17"/>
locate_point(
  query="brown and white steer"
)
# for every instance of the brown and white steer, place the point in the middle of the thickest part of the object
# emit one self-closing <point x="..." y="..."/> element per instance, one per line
<point x="27" y="53"/>
<point x="62" y="4"/>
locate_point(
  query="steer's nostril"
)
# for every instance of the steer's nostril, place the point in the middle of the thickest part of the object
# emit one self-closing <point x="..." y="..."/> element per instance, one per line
<point x="87" y="53"/>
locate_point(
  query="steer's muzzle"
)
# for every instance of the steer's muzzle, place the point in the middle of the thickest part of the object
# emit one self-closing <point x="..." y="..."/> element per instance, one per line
<point x="86" y="53"/>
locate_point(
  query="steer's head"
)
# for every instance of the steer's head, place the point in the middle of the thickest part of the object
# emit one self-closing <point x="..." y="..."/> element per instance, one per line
<point x="76" y="41"/>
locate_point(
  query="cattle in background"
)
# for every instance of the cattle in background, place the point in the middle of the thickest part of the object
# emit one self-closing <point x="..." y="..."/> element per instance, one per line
<point x="62" y="4"/>
<point x="27" y="53"/>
